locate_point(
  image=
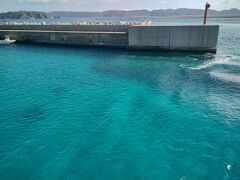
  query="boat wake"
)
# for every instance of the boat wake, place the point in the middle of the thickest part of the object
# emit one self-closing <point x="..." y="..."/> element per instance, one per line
<point x="219" y="60"/>
<point x="224" y="68"/>
<point x="229" y="77"/>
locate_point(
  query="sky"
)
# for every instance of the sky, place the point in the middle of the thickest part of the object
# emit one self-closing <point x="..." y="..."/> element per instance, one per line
<point x="101" y="5"/>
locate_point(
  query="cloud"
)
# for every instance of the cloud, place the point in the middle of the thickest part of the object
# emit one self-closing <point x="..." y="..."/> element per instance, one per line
<point x="107" y="1"/>
<point x="101" y="5"/>
<point x="34" y="1"/>
<point x="49" y="1"/>
<point x="226" y="4"/>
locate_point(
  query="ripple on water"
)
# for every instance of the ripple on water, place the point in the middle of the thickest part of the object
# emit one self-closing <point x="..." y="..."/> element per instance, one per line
<point x="89" y="113"/>
<point x="32" y="115"/>
<point x="217" y="62"/>
<point x="227" y="77"/>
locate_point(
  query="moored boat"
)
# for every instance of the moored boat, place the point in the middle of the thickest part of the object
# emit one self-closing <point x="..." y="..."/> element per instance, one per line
<point x="7" y="40"/>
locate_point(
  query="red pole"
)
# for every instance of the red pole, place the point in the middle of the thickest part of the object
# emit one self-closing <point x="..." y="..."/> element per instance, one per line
<point x="207" y="6"/>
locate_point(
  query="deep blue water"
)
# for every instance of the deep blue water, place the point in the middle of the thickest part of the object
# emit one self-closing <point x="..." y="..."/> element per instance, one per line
<point x="94" y="113"/>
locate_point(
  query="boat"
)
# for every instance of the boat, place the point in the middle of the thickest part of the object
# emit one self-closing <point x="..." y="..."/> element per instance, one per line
<point x="7" y="40"/>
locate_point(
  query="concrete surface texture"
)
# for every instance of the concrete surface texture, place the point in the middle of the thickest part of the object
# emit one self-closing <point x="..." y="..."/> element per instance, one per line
<point x="97" y="28"/>
<point x="192" y="37"/>
<point x="70" y="38"/>
<point x="182" y="38"/>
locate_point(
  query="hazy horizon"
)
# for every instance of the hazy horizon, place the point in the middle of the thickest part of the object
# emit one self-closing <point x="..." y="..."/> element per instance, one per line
<point x="110" y="10"/>
<point x="104" y="5"/>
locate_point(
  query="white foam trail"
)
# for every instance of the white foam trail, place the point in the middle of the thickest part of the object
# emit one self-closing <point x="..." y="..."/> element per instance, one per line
<point x="226" y="76"/>
<point x="217" y="61"/>
<point x="203" y="66"/>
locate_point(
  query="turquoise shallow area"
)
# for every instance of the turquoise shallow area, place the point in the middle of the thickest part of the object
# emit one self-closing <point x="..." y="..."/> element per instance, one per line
<point x="94" y="113"/>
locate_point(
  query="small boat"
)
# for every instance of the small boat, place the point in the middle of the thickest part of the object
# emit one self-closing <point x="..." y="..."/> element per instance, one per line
<point x="7" y="40"/>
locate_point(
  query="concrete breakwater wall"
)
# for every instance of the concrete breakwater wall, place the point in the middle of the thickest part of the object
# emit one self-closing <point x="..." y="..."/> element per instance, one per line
<point x="118" y="39"/>
<point x="90" y="28"/>
<point x="182" y="38"/>
<point x="195" y="37"/>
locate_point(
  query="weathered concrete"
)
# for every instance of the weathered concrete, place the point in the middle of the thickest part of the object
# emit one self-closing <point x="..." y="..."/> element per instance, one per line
<point x="191" y="37"/>
<point x="182" y="38"/>
<point x="148" y="36"/>
<point x="68" y="37"/>
<point x="95" y="28"/>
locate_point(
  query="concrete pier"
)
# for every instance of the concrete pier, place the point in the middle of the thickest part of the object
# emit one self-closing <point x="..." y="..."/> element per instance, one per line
<point x="181" y="38"/>
<point x="195" y="38"/>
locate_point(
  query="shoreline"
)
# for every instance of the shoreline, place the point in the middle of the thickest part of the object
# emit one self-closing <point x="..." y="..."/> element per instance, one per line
<point x="117" y="17"/>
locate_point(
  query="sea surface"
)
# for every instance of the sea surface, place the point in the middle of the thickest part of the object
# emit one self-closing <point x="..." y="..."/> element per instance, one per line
<point x="96" y="113"/>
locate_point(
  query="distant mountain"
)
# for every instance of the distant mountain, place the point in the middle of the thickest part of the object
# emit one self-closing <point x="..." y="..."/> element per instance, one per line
<point x="24" y="15"/>
<point x="165" y="13"/>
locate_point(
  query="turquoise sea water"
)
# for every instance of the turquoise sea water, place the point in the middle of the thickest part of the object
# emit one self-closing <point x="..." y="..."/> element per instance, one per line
<point x="94" y="113"/>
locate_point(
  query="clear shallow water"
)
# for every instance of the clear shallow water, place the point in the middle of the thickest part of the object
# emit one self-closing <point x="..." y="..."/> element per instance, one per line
<point x="95" y="113"/>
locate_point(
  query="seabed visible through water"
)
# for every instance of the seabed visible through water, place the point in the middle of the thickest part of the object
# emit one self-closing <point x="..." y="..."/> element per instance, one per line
<point x="94" y="113"/>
